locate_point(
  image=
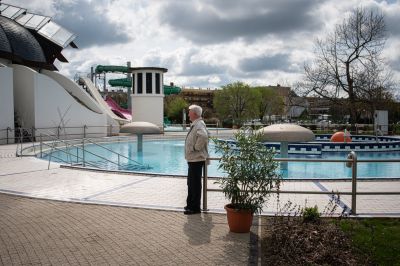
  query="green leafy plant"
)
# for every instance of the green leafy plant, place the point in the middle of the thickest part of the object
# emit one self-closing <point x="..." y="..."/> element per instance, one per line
<point x="251" y="171"/>
<point x="311" y="214"/>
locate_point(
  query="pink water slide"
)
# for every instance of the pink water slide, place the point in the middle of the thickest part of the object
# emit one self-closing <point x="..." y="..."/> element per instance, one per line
<point x="118" y="110"/>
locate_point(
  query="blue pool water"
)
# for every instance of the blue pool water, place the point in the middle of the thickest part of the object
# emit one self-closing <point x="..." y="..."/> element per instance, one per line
<point x="167" y="157"/>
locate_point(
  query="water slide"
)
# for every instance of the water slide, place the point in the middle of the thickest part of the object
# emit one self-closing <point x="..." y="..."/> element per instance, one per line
<point x="103" y="104"/>
<point x="125" y="82"/>
<point x="118" y="110"/>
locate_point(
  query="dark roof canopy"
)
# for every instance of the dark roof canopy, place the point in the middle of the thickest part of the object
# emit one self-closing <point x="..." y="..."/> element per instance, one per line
<point x="28" y="43"/>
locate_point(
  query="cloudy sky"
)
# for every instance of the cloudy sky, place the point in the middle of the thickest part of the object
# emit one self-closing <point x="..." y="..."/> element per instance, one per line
<point x="207" y="43"/>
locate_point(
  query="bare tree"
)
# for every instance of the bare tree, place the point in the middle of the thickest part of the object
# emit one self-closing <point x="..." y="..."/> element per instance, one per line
<point x="348" y="62"/>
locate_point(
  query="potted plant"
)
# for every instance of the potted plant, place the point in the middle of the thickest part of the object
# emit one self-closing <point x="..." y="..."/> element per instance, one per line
<point x="251" y="175"/>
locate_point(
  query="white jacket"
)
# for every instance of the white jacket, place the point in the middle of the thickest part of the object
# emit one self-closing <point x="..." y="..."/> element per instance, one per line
<point x="196" y="143"/>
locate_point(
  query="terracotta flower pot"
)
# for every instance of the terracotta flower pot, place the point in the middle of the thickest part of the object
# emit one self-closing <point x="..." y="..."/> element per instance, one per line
<point x="239" y="221"/>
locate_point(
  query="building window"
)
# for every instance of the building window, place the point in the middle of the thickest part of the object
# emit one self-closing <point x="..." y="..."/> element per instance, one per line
<point x="158" y="83"/>
<point x="139" y="83"/>
<point x="133" y="84"/>
<point x="149" y="83"/>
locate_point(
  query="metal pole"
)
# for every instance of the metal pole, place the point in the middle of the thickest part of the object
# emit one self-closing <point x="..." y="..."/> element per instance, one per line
<point x="41" y="143"/>
<point x="84" y="131"/>
<point x="353" y="156"/>
<point x="83" y="152"/>
<point x="8" y="128"/>
<point x="205" y="185"/>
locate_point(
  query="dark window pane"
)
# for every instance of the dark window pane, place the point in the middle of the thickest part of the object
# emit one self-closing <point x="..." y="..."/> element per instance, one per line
<point x="133" y="83"/>
<point x="149" y="83"/>
<point x="158" y="83"/>
<point x="140" y="83"/>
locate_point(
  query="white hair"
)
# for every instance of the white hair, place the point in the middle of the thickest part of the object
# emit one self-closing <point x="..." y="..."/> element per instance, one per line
<point x="196" y="109"/>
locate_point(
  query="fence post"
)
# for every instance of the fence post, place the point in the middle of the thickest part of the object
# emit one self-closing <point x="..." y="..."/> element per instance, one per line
<point x="205" y="178"/>
<point x="8" y="128"/>
<point x="353" y="156"/>
<point x="33" y="134"/>
<point x="41" y="148"/>
<point x="83" y="152"/>
<point x="84" y="131"/>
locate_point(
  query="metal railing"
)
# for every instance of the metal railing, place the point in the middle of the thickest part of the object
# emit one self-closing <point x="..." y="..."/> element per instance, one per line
<point x="30" y="134"/>
<point x="351" y="162"/>
<point x="79" y="145"/>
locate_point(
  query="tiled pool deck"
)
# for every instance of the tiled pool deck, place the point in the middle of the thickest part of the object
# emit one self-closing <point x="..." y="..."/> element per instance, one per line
<point x="152" y="231"/>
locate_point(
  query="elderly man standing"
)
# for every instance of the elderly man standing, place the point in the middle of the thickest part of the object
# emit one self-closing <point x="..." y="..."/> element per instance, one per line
<point x="196" y="153"/>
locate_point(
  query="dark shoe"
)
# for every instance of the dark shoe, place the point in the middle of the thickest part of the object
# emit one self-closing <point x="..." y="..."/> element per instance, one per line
<point x="186" y="208"/>
<point x="189" y="212"/>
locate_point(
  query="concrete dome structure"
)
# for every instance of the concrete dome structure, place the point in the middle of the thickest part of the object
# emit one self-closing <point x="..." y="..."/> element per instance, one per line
<point x="286" y="132"/>
<point x="18" y="44"/>
<point x="140" y="127"/>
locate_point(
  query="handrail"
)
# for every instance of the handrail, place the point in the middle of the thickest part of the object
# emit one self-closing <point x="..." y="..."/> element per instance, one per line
<point x="84" y="150"/>
<point x="75" y="155"/>
<point x="123" y="156"/>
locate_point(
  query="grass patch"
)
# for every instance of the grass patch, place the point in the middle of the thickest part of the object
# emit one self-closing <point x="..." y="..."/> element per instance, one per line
<point x="377" y="237"/>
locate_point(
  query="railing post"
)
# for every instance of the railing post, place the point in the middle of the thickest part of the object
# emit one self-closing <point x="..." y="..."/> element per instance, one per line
<point x="58" y="132"/>
<point x="84" y="131"/>
<point x="8" y="128"/>
<point x="353" y="156"/>
<point x="83" y="152"/>
<point x="205" y="178"/>
<point x="33" y="133"/>
<point x="41" y="148"/>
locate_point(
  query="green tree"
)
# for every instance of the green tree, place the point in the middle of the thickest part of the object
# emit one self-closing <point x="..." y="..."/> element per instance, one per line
<point x="236" y="101"/>
<point x="348" y="62"/>
<point x="174" y="105"/>
<point x="270" y="102"/>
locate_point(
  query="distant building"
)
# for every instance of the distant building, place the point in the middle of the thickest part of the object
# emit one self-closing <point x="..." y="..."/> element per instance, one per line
<point x="201" y="97"/>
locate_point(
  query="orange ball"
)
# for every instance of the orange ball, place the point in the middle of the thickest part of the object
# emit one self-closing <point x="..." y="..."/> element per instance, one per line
<point x="340" y="137"/>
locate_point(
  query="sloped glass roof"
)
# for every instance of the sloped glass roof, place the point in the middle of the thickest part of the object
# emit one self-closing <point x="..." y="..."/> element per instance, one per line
<point x="32" y="21"/>
<point x="11" y="12"/>
<point x="42" y="24"/>
<point x="57" y="34"/>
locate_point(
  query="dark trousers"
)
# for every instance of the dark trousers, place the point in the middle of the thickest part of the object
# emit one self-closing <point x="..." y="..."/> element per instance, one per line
<point x="195" y="170"/>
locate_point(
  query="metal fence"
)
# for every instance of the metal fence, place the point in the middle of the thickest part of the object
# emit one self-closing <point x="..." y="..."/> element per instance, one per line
<point x="351" y="162"/>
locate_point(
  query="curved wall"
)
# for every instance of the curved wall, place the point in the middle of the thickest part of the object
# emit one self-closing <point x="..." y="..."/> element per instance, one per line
<point x="74" y="89"/>
<point x="6" y="103"/>
<point x="41" y="102"/>
<point x="111" y="117"/>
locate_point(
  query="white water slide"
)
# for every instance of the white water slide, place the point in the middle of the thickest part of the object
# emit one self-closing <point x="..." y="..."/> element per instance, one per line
<point x="102" y="104"/>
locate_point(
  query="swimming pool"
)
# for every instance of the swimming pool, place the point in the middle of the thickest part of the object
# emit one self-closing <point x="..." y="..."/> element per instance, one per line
<point x="166" y="157"/>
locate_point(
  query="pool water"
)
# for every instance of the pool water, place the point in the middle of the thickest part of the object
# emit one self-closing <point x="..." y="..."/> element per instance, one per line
<point x="167" y="157"/>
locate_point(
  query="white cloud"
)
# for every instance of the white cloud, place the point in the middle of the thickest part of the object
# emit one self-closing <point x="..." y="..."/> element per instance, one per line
<point x="206" y="43"/>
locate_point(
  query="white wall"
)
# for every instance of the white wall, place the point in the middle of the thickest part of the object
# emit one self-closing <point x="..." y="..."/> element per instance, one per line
<point x="6" y="104"/>
<point x="44" y="103"/>
<point x="24" y="80"/>
<point x="74" y="89"/>
<point x="148" y="108"/>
